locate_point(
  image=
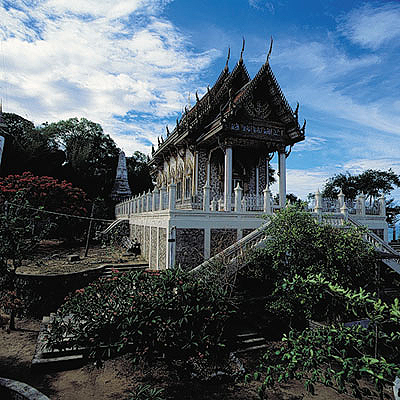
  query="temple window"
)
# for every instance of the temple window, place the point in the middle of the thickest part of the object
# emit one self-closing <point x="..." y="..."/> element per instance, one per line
<point x="179" y="190"/>
<point x="188" y="187"/>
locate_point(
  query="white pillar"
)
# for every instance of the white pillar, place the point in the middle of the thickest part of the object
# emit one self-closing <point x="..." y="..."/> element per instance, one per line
<point x="171" y="196"/>
<point x="344" y="211"/>
<point x="267" y="201"/>
<point x="361" y="199"/>
<point x="148" y="201"/>
<point x="341" y="199"/>
<point x="282" y="178"/>
<point x="228" y="179"/>
<point x="318" y="204"/>
<point x="206" y="197"/>
<point x="154" y="202"/>
<point x="163" y="190"/>
<point x="238" y="198"/>
<point x="143" y="202"/>
<point x="257" y="182"/>
<point x="382" y="206"/>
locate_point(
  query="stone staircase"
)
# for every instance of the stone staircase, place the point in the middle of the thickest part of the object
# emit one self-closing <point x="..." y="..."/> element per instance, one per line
<point x="137" y="266"/>
<point x="47" y="358"/>
<point x="233" y="257"/>
<point x="250" y="341"/>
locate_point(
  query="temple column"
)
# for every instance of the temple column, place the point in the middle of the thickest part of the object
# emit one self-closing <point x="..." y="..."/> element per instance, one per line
<point x="257" y="185"/>
<point x="282" y="178"/>
<point x="228" y="179"/>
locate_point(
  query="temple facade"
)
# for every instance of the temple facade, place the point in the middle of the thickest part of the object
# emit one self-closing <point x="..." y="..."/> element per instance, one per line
<point x="212" y="173"/>
<point x="211" y="170"/>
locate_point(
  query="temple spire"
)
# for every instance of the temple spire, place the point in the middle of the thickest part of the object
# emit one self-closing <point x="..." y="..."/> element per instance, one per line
<point x="227" y="59"/>
<point x="270" y="49"/>
<point x="121" y="187"/>
<point x="241" y="53"/>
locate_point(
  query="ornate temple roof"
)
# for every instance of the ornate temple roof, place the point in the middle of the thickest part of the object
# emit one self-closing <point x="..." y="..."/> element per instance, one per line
<point x="236" y="100"/>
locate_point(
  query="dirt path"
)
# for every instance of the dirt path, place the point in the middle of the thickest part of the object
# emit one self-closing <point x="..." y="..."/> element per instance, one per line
<point x="16" y="352"/>
<point x="114" y="380"/>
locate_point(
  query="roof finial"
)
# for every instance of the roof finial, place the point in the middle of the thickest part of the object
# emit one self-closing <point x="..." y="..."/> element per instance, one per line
<point x="197" y="97"/>
<point x="241" y="53"/>
<point x="270" y="49"/>
<point x="227" y="59"/>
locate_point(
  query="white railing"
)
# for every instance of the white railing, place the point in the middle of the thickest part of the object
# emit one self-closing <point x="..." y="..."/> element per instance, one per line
<point x="231" y="255"/>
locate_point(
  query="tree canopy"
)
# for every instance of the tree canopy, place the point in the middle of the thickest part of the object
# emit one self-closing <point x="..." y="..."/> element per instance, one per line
<point x="138" y="173"/>
<point x="91" y="155"/>
<point x="370" y="182"/>
<point x="28" y="148"/>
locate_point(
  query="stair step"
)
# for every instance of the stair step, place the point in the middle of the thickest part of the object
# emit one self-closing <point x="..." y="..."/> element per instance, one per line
<point x="253" y="340"/>
<point x="247" y="335"/>
<point x="252" y="348"/>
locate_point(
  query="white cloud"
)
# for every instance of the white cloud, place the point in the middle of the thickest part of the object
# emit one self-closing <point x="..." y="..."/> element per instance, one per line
<point x="263" y="4"/>
<point x="69" y="58"/>
<point x="371" y="27"/>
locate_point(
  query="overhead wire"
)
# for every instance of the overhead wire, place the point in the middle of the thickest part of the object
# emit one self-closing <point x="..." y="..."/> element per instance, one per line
<point x="58" y="213"/>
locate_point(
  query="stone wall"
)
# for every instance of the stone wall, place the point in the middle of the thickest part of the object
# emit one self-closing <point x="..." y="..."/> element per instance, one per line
<point x="189" y="247"/>
<point x="153" y="248"/>
<point x="162" y="248"/>
<point x="146" y="252"/>
<point x="221" y="239"/>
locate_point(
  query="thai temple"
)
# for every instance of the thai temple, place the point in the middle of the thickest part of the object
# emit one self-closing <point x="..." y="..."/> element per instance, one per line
<point x="211" y="173"/>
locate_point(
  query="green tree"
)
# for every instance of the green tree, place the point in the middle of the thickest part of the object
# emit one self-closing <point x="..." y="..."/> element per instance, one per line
<point x="139" y="173"/>
<point x="28" y="148"/>
<point x="370" y="182"/>
<point x="91" y="155"/>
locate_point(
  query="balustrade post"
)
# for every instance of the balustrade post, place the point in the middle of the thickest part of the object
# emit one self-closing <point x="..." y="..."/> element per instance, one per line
<point x="206" y="197"/>
<point x="143" y="208"/>
<point x="213" y="204"/>
<point x="148" y="201"/>
<point x="361" y="198"/>
<point x="341" y="199"/>
<point x="382" y="206"/>
<point x="163" y="190"/>
<point x="318" y="204"/>
<point x="221" y="205"/>
<point x="267" y="201"/>
<point x="238" y="198"/>
<point x="154" y="201"/>
<point x="172" y="196"/>
<point x="344" y="211"/>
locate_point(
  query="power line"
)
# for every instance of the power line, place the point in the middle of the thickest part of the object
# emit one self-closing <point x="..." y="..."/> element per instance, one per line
<point x="61" y="214"/>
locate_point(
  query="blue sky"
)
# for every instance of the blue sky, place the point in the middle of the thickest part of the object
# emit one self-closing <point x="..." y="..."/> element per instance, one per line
<point x="133" y="65"/>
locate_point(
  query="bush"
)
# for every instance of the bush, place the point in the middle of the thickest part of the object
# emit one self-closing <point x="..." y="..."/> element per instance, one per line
<point x="336" y="355"/>
<point x="147" y="313"/>
<point x="297" y="247"/>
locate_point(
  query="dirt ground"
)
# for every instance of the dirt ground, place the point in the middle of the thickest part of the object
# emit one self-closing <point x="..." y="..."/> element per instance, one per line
<point x="51" y="257"/>
<point x="117" y="377"/>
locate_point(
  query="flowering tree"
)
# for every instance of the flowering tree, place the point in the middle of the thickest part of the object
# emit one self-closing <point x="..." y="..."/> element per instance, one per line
<point x="49" y="194"/>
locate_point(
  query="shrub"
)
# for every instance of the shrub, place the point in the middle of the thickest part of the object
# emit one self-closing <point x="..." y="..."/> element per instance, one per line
<point x="147" y="313"/>
<point x="337" y="355"/>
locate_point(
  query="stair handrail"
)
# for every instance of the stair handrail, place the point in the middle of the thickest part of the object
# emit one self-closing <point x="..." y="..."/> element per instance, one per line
<point x="113" y="224"/>
<point x="228" y="255"/>
<point x="375" y="240"/>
